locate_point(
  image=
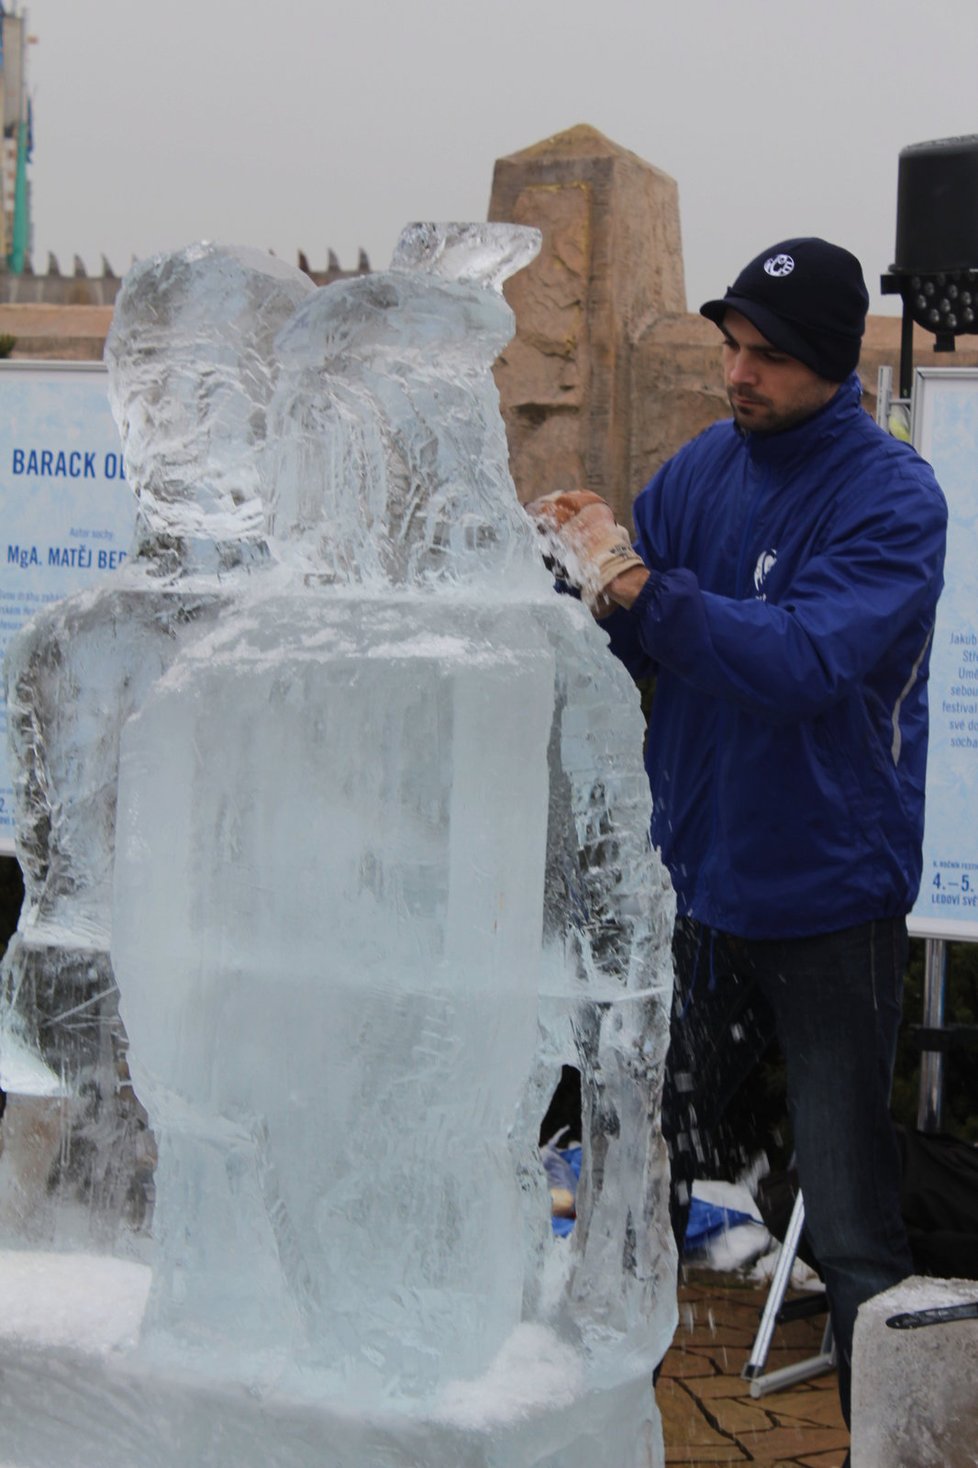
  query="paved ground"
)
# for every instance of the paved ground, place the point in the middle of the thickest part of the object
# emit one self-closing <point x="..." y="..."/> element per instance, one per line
<point x="708" y="1413"/>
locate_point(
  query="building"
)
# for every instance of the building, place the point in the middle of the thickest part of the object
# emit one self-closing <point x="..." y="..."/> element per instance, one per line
<point x="15" y="106"/>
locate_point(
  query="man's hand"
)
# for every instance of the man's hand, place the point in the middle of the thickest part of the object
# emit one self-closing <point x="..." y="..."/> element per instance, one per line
<point x="580" y="533"/>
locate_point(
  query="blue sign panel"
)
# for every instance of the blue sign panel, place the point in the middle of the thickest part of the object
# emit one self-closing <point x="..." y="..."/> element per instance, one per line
<point x="66" y="512"/>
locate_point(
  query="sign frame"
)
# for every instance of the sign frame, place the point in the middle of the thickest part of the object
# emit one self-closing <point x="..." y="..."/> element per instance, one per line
<point x="944" y="431"/>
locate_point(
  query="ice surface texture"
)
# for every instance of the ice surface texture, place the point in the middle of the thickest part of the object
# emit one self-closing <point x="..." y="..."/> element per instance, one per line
<point x="381" y="868"/>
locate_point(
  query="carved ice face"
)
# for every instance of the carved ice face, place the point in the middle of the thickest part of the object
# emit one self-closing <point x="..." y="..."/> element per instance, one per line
<point x="191" y="367"/>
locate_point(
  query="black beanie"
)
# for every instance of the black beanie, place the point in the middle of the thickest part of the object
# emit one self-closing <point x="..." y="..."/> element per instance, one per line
<point x="808" y="298"/>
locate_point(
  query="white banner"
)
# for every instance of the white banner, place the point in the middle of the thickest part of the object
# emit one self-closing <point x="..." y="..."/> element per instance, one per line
<point x="66" y="513"/>
<point x="945" y="433"/>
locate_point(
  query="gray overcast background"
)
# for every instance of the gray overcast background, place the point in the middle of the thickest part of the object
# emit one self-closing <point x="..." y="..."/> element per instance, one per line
<point x="317" y="123"/>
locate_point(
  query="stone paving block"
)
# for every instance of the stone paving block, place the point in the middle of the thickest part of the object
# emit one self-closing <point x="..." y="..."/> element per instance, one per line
<point x="740" y="1415"/>
<point x="724" y="1331"/>
<point x="787" y="1444"/>
<point x="728" y="1357"/>
<point x="703" y="1457"/>
<point x="723" y="1385"/>
<point x="725" y="1306"/>
<point x="682" y="1362"/>
<point x="780" y="1356"/>
<point x="805" y="1404"/>
<point x="719" y="1421"/>
<point x="688" y="1434"/>
<point x="804" y="1336"/>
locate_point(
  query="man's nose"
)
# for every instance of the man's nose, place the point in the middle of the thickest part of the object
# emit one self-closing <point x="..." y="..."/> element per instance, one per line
<point x="740" y="368"/>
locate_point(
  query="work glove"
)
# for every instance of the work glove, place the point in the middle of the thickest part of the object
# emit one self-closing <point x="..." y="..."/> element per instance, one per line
<point x="583" y="543"/>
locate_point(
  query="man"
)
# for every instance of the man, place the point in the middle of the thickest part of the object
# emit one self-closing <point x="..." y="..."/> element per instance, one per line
<point x="783" y="587"/>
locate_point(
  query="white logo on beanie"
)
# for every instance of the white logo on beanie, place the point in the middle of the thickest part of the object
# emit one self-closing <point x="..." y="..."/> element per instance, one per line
<point x="779" y="265"/>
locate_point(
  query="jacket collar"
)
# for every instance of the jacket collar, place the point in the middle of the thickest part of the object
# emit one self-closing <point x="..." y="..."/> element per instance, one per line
<point x="773" y="449"/>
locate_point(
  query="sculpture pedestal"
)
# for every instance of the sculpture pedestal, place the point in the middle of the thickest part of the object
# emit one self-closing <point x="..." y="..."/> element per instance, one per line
<point x="76" y="1390"/>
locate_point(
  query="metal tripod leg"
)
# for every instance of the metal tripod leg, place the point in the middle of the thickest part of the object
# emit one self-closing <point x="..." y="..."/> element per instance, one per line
<point x="760" y="1382"/>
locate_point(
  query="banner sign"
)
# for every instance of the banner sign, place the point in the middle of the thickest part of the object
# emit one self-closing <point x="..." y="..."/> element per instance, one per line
<point x="66" y="512"/>
<point x="945" y="432"/>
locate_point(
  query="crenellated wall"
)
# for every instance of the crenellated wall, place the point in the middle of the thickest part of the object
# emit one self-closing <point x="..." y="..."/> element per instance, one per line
<point x="81" y="289"/>
<point x="66" y="318"/>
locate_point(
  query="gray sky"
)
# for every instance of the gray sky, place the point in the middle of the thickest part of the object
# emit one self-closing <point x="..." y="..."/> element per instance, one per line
<point x="317" y="123"/>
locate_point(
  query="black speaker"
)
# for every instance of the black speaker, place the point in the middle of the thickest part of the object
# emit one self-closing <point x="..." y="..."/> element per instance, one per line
<point x="937" y="207"/>
<point x="936" y="267"/>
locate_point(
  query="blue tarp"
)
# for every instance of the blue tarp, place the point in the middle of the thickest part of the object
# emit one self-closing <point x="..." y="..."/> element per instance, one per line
<point x="707" y="1219"/>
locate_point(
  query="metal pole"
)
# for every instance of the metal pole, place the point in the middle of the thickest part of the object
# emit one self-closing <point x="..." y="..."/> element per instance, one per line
<point x="761" y="1381"/>
<point x="780" y="1280"/>
<point x="931" y="1098"/>
<point x="906" y="353"/>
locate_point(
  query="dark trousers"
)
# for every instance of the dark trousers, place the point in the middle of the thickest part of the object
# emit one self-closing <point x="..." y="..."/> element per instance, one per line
<point x="834" y="1002"/>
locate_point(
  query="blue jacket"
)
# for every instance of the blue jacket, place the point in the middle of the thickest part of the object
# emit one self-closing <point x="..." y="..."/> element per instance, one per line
<point x="788" y="617"/>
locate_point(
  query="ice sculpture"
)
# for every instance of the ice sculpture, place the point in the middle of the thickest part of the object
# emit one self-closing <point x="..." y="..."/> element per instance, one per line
<point x="381" y="868"/>
<point x="195" y="330"/>
<point x="393" y="475"/>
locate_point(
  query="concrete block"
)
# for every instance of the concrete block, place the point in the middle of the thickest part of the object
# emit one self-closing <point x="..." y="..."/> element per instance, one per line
<point x="915" y="1392"/>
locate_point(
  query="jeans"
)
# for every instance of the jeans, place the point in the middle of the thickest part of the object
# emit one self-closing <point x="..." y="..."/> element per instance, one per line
<point x="834" y="1001"/>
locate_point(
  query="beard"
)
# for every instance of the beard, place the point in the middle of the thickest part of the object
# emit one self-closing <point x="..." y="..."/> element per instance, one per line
<point x="757" y="414"/>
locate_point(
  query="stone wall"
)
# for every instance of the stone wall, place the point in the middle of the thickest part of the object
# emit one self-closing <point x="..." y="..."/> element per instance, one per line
<point x="56" y="333"/>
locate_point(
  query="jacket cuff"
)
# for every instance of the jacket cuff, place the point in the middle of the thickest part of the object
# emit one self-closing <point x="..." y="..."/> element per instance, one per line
<point x="649" y="593"/>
